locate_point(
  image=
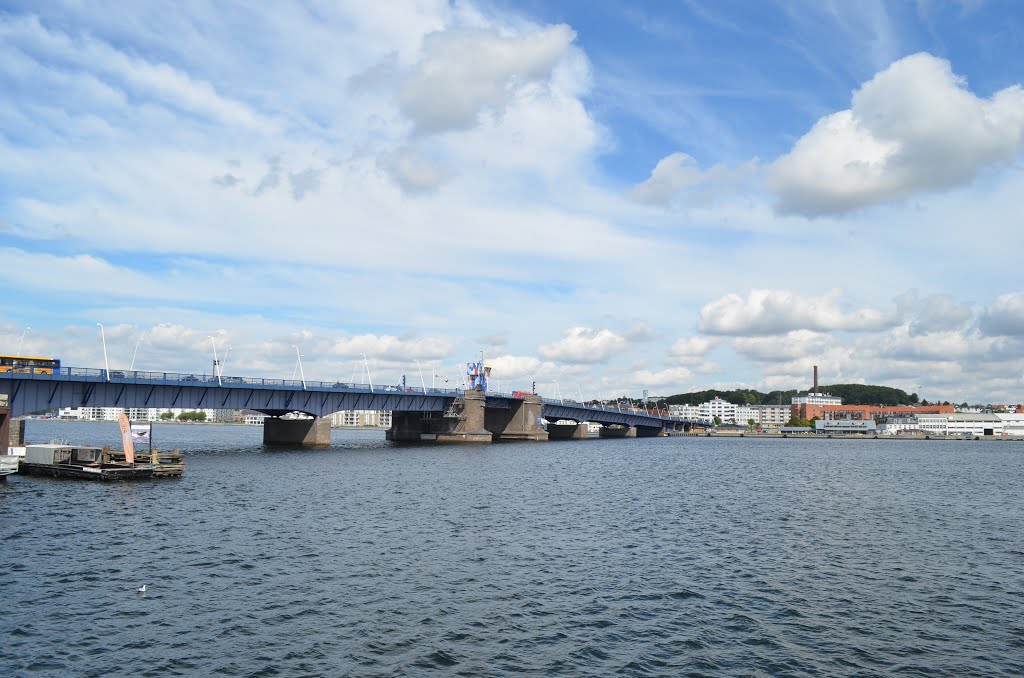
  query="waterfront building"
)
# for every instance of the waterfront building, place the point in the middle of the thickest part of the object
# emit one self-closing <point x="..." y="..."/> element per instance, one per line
<point x="1013" y="424"/>
<point x="723" y="409"/>
<point x="361" y="419"/>
<point x="974" y="424"/>
<point x="685" y="411"/>
<point x="866" y="426"/>
<point x="891" y="426"/>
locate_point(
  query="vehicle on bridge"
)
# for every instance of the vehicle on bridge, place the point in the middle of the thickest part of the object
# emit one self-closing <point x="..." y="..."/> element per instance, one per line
<point x="26" y="364"/>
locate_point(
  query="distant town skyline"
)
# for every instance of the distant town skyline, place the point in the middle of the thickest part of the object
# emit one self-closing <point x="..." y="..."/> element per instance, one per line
<point x="603" y="198"/>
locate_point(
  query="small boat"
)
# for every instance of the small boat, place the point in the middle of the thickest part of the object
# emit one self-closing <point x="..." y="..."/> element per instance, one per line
<point x="64" y="460"/>
<point x="8" y="465"/>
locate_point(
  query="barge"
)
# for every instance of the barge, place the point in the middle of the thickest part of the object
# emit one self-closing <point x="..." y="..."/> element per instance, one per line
<point x="64" y="460"/>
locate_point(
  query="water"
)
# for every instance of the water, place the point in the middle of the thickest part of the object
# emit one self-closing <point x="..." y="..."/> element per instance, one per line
<point x="682" y="556"/>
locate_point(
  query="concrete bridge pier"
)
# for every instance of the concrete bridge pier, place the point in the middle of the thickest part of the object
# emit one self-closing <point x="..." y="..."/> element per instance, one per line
<point x="406" y="427"/>
<point x="649" y="431"/>
<point x="469" y="417"/>
<point x="313" y="432"/>
<point x="521" y="421"/>
<point x="5" y="429"/>
<point x="617" y="432"/>
<point x="567" y="431"/>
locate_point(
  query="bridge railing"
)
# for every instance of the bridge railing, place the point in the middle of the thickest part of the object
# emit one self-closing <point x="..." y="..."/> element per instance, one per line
<point x="185" y="379"/>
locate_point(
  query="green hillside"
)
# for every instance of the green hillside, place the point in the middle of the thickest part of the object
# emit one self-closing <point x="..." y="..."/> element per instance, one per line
<point x="852" y="394"/>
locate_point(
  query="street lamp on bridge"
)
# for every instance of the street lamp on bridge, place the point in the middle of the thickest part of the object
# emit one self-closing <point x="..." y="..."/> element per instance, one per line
<point x="106" y="364"/>
<point x="301" y="373"/>
<point x="23" y="339"/>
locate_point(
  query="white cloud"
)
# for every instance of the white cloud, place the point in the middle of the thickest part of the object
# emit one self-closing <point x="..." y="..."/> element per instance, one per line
<point x="585" y="345"/>
<point x="766" y="312"/>
<point x="914" y="127"/>
<point x="691" y="350"/>
<point x="678" y="172"/>
<point x="933" y="313"/>
<point x="464" y="72"/>
<point x="787" y="347"/>
<point x="1004" y="316"/>
<point x="391" y="347"/>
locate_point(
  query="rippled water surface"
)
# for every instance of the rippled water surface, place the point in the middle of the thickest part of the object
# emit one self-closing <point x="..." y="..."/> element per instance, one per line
<point x="680" y="556"/>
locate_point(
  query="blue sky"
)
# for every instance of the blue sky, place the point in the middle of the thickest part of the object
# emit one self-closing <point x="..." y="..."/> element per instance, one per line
<point x="662" y="196"/>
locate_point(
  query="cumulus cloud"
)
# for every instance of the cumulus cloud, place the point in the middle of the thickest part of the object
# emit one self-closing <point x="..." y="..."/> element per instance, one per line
<point x="933" y="313"/>
<point x="767" y="312"/>
<point x="509" y="367"/>
<point x="790" y="346"/>
<point x="676" y="173"/>
<point x="391" y="347"/>
<point x="463" y="72"/>
<point x="691" y="349"/>
<point x="1004" y="316"/>
<point x="585" y="345"/>
<point x="675" y="377"/>
<point x="914" y="127"/>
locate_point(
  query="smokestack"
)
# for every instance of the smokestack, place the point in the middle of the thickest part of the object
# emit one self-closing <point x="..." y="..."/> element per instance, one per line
<point x="815" y="380"/>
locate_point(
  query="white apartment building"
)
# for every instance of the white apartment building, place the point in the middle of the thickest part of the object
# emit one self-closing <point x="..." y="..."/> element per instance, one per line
<point x="685" y="411"/>
<point x="765" y="416"/>
<point x="723" y="409"/>
<point x="134" y="413"/>
<point x="361" y="418"/>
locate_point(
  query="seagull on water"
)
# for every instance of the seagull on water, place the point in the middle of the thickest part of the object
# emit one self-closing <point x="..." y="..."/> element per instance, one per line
<point x="141" y="589"/>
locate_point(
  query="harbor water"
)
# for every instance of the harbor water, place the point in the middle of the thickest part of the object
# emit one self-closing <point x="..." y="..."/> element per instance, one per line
<point x="664" y="556"/>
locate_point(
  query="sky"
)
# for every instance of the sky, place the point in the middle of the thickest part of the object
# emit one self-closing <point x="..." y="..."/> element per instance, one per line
<point x="604" y="198"/>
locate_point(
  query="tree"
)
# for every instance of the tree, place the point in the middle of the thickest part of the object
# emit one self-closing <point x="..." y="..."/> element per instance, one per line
<point x="717" y="420"/>
<point x="751" y="424"/>
<point x="167" y="415"/>
<point x="192" y="416"/>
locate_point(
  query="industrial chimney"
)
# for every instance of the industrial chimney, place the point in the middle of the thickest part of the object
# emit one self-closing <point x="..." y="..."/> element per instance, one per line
<point x="815" y="380"/>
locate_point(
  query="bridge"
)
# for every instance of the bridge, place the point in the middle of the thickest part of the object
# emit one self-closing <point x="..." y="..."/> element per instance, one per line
<point x="296" y="409"/>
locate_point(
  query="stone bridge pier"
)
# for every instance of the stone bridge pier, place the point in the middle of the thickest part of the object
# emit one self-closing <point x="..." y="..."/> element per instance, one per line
<point x="521" y="421"/>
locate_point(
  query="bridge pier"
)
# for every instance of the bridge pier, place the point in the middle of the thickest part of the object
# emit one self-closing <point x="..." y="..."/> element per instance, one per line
<point x="617" y="432"/>
<point x="521" y="421"/>
<point x="649" y="431"/>
<point x="314" y="432"/>
<point x="5" y="429"/>
<point x="567" y="431"/>
<point x="406" y="427"/>
<point x="469" y="427"/>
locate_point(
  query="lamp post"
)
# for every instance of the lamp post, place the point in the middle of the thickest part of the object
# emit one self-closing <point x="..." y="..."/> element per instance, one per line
<point x="216" y="363"/>
<point x="423" y="384"/>
<point x="106" y="364"/>
<point x="367" y="366"/>
<point x="22" y="338"/>
<point x="301" y="373"/>
<point x="134" y="353"/>
<point x="225" y="361"/>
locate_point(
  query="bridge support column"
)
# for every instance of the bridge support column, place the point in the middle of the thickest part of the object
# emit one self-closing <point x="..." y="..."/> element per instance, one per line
<point x="521" y="421"/>
<point x="5" y="429"/>
<point x="649" y="431"/>
<point x="406" y="427"/>
<point x="314" y="432"/>
<point x="16" y="432"/>
<point x="567" y="431"/>
<point x="469" y="428"/>
<point x="617" y="432"/>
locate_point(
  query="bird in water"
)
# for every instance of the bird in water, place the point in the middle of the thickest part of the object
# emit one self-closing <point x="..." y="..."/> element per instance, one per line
<point x="141" y="589"/>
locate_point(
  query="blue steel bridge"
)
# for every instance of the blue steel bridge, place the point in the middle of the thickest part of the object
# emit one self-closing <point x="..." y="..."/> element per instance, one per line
<point x="35" y="390"/>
